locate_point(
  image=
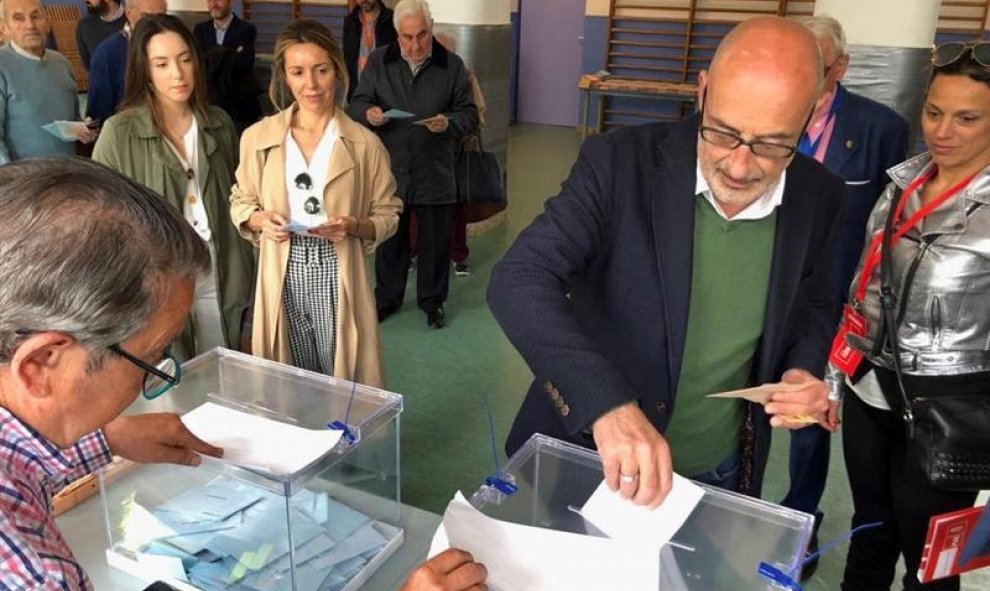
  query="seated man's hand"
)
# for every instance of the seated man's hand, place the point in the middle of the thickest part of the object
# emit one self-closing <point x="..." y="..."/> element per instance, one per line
<point x="810" y="403"/>
<point x="635" y="456"/>
<point x="451" y="570"/>
<point x="156" y="438"/>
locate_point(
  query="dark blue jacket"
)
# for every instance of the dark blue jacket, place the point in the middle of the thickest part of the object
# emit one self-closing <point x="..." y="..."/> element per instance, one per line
<point x="868" y="138"/>
<point x="594" y="293"/>
<point x="106" y="77"/>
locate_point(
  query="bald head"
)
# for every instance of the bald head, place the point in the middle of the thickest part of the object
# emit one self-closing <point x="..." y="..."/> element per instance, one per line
<point x="762" y="85"/>
<point x="771" y="51"/>
<point x="135" y="9"/>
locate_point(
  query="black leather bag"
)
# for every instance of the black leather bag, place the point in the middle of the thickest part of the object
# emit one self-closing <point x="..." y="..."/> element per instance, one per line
<point x="479" y="177"/>
<point x="949" y="434"/>
<point x="952" y="440"/>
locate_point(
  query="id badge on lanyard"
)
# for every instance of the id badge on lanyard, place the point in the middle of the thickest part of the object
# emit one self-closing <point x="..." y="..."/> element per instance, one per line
<point x="843" y="355"/>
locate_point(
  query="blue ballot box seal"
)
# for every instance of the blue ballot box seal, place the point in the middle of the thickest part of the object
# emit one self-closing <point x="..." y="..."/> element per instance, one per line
<point x="779" y="579"/>
<point x="347" y="433"/>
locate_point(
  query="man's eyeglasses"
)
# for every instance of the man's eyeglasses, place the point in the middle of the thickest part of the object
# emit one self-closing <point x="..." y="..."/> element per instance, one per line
<point x="731" y="141"/>
<point x="305" y="183"/>
<point x="949" y="53"/>
<point x="159" y="378"/>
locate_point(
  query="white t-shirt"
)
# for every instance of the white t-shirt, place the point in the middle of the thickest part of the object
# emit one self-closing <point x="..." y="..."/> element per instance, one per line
<point x="306" y="204"/>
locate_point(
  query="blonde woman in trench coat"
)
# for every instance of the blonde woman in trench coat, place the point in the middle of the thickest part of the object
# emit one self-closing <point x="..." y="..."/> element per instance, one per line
<point x="357" y="210"/>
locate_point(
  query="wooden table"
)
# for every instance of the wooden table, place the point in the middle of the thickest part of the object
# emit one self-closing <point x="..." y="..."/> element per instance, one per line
<point x="592" y="85"/>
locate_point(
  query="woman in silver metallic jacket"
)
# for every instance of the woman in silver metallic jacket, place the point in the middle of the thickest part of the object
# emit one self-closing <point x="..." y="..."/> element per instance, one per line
<point x="941" y="284"/>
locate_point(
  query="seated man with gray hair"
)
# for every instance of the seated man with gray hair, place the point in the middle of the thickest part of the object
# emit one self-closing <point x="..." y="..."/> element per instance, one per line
<point x="86" y="317"/>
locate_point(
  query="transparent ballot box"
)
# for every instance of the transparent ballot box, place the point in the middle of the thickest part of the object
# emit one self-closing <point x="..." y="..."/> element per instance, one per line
<point x="719" y="548"/>
<point x="327" y="524"/>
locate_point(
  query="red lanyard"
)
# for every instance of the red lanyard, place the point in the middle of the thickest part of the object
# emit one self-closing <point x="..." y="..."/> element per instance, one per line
<point x="873" y="259"/>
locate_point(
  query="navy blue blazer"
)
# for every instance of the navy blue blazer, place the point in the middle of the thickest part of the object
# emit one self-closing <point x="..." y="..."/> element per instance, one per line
<point x="240" y="33"/>
<point x="868" y="138"/>
<point x="106" y="77"/>
<point x="594" y="293"/>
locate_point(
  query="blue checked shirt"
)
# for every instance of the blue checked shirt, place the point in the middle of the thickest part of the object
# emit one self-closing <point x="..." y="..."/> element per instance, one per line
<point x="33" y="553"/>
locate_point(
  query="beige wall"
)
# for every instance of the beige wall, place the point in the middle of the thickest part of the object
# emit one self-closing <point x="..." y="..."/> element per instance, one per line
<point x="471" y="12"/>
<point x="200" y="5"/>
<point x="917" y="21"/>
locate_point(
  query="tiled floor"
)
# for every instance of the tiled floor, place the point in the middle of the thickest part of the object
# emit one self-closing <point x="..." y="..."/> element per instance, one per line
<point x="445" y="374"/>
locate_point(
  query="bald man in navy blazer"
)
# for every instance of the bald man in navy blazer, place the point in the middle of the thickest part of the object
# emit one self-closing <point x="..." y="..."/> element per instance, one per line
<point x="679" y="258"/>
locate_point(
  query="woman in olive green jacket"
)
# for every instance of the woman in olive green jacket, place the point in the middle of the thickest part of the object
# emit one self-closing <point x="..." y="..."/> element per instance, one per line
<point x="166" y="138"/>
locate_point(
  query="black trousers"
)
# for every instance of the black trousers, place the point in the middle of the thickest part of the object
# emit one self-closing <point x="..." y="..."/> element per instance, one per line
<point x="888" y="488"/>
<point x="432" y="260"/>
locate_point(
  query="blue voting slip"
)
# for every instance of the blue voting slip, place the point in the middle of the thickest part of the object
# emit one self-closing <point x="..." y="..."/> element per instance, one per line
<point x="333" y="542"/>
<point x="254" y="538"/>
<point x="398" y="114"/>
<point x="313" y="505"/>
<point x="214" y="502"/>
<point x="321" y="544"/>
<point x="362" y="541"/>
<point x="297" y="227"/>
<point x="344" y="521"/>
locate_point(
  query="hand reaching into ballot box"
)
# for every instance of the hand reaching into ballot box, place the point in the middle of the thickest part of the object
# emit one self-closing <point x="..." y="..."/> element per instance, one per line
<point x="451" y="570"/>
<point x="156" y="438"/>
<point x="636" y="458"/>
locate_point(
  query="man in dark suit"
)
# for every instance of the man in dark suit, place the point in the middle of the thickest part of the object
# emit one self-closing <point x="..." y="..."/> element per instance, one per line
<point x="682" y="259"/>
<point x="227" y="42"/>
<point x="369" y="25"/>
<point x="858" y="139"/>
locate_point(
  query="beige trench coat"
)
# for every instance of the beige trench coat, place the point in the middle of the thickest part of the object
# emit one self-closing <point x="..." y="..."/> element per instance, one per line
<point x="360" y="184"/>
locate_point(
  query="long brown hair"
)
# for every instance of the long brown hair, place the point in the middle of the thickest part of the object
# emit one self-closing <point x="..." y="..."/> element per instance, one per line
<point x="138" y="89"/>
<point x="305" y="30"/>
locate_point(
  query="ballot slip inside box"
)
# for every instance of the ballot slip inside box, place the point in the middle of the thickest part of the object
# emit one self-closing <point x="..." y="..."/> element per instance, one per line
<point x="293" y="507"/>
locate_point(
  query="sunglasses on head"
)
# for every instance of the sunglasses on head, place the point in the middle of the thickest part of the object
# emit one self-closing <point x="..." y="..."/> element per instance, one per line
<point x="949" y="53"/>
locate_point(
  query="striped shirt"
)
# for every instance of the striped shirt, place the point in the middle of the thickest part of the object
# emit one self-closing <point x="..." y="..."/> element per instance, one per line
<point x="33" y="553"/>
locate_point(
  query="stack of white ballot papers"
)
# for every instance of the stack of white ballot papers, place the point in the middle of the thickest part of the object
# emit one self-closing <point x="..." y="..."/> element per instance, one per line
<point x="526" y="558"/>
<point x="231" y="536"/>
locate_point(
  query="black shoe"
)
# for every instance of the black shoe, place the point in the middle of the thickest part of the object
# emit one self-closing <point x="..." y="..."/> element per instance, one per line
<point x="386" y="311"/>
<point x="436" y="317"/>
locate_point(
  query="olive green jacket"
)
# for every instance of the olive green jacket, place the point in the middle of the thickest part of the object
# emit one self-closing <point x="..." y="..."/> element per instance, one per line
<point x="131" y="144"/>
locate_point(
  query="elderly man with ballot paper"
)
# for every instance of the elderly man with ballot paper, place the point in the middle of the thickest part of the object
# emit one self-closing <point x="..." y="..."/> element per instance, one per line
<point x="417" y="97"/>
<point x="37" y="89"/>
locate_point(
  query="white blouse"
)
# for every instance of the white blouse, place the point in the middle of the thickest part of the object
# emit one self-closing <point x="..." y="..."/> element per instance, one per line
<point x="304" y="182"/>
<point x="192" y="206"/>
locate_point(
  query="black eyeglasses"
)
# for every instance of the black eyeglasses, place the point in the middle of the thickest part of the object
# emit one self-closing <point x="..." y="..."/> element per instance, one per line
<point x="159" y="378"/>
<point x="730" y="140"/>
<point x="305" y="183"/>
<point x="949" y="53"/>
